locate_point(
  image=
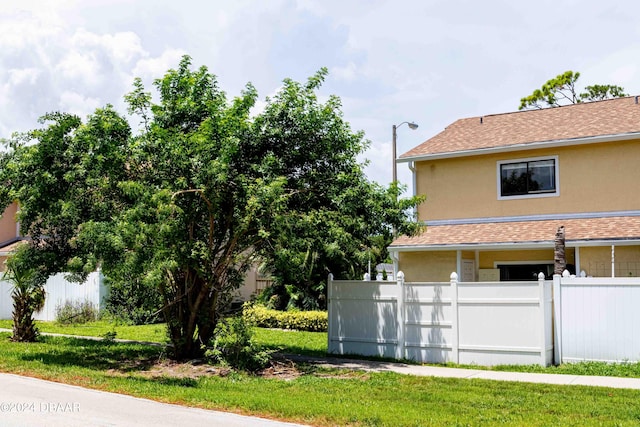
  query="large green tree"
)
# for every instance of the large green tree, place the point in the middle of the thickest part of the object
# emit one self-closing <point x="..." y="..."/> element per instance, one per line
<point x="64" y="175"/>
<point x="561" y="90"/>
<point x="202" y="192"/>
<point x="335" y="218"/>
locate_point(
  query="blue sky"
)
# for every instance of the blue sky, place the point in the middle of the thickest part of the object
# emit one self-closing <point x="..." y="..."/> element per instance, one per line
<point x="426" y="61"/>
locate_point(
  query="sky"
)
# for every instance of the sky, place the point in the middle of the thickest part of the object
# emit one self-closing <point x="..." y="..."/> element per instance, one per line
<point x="426" y="61"/>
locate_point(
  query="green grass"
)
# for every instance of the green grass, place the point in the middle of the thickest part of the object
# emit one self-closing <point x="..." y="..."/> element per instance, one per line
<point x="315" y="344"/>
<point x="151" y="333"/>
<point x="296" y="342"/>
<point x="322" y="397"/>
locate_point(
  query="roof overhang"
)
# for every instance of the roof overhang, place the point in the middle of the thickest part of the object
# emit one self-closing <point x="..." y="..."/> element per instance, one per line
<point x="522" y="147"/>
<point x="620" y="228"/>
<point x="7" y="248"/>
<point x="513" y="245"/>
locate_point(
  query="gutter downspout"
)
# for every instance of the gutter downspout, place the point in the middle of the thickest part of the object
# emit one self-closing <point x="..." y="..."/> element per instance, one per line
<point x="412" y="168"/>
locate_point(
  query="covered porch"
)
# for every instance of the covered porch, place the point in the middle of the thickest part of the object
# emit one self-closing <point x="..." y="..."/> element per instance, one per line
<point x="604" y="246"/>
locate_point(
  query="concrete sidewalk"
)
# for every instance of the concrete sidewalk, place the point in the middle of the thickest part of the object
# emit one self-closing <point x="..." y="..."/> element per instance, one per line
<point x="437" y="371"/>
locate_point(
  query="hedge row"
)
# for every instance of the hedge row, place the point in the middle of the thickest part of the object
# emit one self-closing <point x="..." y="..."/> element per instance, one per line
<point x="313" y="321"/>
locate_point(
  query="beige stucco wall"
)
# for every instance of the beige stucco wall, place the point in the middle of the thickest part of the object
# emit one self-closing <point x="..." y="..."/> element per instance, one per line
<point x="593" y="178"/>
<point x="596" y="261"/>
<point x="437" y="266"/>
<point x="429" y="266"/>
<point x="8" y="229"/>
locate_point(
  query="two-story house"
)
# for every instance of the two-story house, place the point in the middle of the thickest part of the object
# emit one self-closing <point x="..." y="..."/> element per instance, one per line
<point x="499" y="186"/>
<point x="9" y="232"/>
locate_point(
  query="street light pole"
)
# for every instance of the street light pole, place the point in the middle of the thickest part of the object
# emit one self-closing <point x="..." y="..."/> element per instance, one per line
<point x="395" y="170"/>
<point x="412" y="126"/>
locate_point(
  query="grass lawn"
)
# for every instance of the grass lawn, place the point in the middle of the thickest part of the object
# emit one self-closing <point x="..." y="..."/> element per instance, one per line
<point x="322" y="397"/>
<point x="315" y="344"/>
<point x="298" y="342"/>
<point x="151" y="333"/>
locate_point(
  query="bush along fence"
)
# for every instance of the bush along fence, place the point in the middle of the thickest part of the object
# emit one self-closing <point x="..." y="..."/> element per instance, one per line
<point x="58" y="292"/>
<point x="312" y="321"/>
<point x="568" y="319"/>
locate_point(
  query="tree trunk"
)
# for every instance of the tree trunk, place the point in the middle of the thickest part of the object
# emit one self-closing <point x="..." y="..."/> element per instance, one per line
<point x="24" y="329"/>
<point x="559" y="257"/>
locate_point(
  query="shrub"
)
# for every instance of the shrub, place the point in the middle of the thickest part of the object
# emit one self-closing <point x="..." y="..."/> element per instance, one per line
<point x="233" y="346"/>
<point x="134" y="302"/>
<point x="74" y="312"/>
<point x="313" y="321"/>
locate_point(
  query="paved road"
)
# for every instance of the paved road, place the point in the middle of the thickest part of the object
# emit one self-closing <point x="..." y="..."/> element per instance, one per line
<point x="27" y="402"/>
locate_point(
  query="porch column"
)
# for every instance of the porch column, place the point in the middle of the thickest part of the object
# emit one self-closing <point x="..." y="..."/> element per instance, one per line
<point x="459" y="263"/>
<point x="477" y="272"/>
<point x="613" y="261"/>
<point x="577" y="257"/>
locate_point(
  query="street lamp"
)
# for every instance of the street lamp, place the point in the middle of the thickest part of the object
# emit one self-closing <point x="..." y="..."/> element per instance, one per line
<point x="412" y="126"/>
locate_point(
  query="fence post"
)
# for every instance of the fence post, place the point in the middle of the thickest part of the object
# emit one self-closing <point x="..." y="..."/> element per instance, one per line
<point x="400" y="316"/>
<point x="455" y="345"/>
<point x="557" y="319"/>
<point x="330" y="311"/>
<point x="543" y="320"/>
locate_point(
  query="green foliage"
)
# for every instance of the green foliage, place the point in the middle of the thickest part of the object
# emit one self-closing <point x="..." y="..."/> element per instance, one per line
<point x="134" y="301"/>
<point x="110" y="336"/>
<point x="335" y="218"/>
<point x="175" y="214"/>
<point x="561" y="90"/>
<point x="313" y="321"/>
<point x="233" y="346"/>
<point x="76" y="312"/>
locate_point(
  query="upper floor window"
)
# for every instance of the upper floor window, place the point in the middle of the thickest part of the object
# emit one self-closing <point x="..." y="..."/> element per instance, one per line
<point x="528" y="178"/>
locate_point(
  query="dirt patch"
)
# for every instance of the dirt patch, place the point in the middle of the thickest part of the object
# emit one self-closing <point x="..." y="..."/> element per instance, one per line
<point x="278" y="368"/>
<point x="282" y="369"/>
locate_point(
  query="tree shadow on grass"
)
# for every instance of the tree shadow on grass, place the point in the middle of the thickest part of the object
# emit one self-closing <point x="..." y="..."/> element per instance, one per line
<point x="94" y="354"/>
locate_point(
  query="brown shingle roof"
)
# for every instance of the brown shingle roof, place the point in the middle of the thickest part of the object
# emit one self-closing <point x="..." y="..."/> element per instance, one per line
<point x="592" y="119"/>
<point x="522" y="232"/>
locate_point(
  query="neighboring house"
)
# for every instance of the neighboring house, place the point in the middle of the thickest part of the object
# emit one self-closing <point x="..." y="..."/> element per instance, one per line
<point x="499" y="186"/>
<point x="9" y="232"/>
<point x="254" y="283"/>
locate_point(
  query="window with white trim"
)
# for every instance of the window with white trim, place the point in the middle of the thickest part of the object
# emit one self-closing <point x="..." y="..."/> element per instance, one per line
<point x="536" y="177"/>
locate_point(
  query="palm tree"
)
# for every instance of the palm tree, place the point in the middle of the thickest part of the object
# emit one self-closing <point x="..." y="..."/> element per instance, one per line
<point x="28" y="296"/>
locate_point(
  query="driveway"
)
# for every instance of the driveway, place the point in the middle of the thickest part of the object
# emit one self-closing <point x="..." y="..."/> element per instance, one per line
<point x="26" y="402"/>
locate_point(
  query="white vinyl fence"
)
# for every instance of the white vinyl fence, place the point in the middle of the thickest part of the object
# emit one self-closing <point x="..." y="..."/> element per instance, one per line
<point x="597" y="319"/>
<point x="481" y="323"/>
<point x="58" y="291"/>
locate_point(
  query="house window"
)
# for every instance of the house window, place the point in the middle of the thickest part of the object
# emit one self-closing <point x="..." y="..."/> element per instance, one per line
<point x="528" y="178"/>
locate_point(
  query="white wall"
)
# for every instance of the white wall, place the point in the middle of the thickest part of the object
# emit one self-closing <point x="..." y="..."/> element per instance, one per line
<point x="58" y="291"/>
<point x="481" y="323"/>
<point x="599" y="319"/>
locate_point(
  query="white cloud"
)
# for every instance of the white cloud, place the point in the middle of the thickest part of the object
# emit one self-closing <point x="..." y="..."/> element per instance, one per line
<point x="156" y="67"/>
<point x="80" y="66"/>
<point x="23" y="76"/>
<point x="76" y="103"/>
<point x="123" y="47"/>
<point x="348" y="72"/>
